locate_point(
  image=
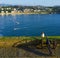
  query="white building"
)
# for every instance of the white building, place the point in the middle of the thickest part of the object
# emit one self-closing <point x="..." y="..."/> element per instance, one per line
<point x="6" y="11"/>
<point x="27" y="10"/>
<point x="2" y="11"/>
<point x="15" y="9"/>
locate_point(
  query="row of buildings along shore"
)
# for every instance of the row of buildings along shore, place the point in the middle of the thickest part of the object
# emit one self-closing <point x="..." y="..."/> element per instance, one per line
<point x="18" y="11"/>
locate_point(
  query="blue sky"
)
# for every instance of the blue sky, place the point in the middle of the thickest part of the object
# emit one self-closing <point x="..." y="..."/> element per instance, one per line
<point x="31" y="2"/>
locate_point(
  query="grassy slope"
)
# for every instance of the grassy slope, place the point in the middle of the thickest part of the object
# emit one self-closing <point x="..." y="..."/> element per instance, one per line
<point x="9" y="41"/>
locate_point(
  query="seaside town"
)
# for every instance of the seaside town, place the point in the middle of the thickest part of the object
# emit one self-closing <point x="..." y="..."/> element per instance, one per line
<point x="28" y="10"/>
<point x="29" y="36"/>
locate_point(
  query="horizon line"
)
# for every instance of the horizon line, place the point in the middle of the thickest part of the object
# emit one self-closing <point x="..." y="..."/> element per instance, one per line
<point x="30" y="5"/>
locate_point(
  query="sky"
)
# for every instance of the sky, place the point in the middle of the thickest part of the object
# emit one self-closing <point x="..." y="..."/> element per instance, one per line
<point x="32" y="2"/>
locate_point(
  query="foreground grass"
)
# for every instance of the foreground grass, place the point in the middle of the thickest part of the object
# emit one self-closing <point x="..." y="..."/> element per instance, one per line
<point x="6" y="51"/>
<point x="9" y="41"/>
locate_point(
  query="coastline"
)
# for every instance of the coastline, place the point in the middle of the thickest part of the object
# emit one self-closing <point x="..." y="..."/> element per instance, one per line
<point x="20" y="13"/>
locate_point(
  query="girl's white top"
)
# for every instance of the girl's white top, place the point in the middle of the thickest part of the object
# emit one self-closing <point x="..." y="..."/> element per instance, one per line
<point x="43" y="35"/>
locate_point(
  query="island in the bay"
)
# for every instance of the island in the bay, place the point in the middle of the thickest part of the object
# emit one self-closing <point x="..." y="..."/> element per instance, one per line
<point x="18" y="9"/>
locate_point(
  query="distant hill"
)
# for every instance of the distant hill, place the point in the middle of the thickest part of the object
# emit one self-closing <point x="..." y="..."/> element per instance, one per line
<point x="5" y="5"/>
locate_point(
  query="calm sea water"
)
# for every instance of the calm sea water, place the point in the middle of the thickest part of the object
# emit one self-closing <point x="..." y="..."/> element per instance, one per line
<point x="30" y="25"/>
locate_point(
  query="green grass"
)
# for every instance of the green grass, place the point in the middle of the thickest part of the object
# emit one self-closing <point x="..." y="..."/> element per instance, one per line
<point x="54" y="37"/>
<point x="27" y="37"/>
<point x="9" y="41"/>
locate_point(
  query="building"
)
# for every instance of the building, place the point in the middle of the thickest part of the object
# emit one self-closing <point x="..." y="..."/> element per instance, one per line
<point x="19" y="11"/>
<point x="2" y="11"/>
<point x="14" y="11"/>
<point x="27" y="10"/>
<point x="6" y="11"/>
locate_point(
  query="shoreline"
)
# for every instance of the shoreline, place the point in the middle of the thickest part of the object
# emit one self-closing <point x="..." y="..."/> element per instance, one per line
<point x="19" y="13"/>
